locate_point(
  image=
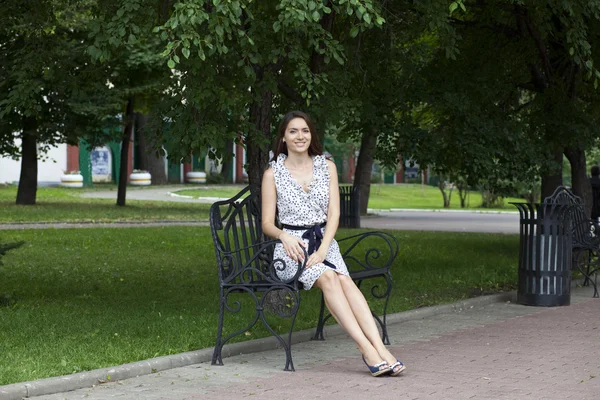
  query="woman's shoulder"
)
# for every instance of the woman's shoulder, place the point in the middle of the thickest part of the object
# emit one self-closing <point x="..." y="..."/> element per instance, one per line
<point x="325" y="162"/>
<point x="274" y="163"/>
<point x="269" y="173"/>
<point x="320" y="160"/>
<point x="331" y="167"/>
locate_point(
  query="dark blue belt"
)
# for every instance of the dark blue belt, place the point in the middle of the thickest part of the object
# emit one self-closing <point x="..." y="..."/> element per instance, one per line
<point x="314" y="236"/>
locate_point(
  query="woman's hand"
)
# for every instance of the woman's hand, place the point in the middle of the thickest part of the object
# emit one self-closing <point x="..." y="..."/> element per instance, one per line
<point x="316" y="258"/>
<point x="293" y="246"/>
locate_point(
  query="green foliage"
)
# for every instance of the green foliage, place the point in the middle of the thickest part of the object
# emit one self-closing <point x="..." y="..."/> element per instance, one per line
<point x="215" y="179"/>
<point x="229" y="55"/>
<point x="47" y="77"/>
<point x="519" y="85"/>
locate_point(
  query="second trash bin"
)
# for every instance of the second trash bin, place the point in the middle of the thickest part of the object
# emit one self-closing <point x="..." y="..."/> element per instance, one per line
<point x="545" y="249"/>
<point x="349" y="206"/>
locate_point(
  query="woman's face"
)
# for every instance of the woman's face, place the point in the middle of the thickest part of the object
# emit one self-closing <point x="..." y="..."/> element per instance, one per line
<point x="297" y="136"/>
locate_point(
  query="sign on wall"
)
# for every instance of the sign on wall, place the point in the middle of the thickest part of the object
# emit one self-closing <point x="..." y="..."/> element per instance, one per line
<point x="101" y="158"/>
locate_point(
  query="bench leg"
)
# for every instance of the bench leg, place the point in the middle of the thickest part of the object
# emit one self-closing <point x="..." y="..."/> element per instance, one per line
<point x="216" y="358"/>
<point x="586" y="281"/>
<point x="289" y="310"/>
<point x="382" y="324"/>
<point x="587" y="270"/>
<point x="385" y="295"/>
<point x="321" y="324"/>
<point x="381" y="321"/>
<point x="593" y="270"/>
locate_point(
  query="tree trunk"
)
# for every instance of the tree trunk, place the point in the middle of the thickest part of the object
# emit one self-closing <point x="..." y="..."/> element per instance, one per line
<point x="123" y="171"/>
<point x="317" y="63"/>
<point x="463" y="192"/>
<point x="150" y="158"/>
<point x="579" y="181"/>
<point x="447" y="197"/>
<point x="257" y="147"/>
<point x="164" y="8"/>
<point x="27" y="191"/>
<point x="227" y="167"/>
<point x="553" y="178"/>
<point x="364" y="166"/>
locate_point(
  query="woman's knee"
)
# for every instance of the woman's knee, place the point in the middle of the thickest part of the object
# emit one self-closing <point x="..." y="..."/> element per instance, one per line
<point x="328" y="279"/>
<point x="346" y="281"/>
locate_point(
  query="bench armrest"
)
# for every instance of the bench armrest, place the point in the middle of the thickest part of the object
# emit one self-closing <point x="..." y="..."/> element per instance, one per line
<point x="369" y="252"/>
<point x="255" y="265"/>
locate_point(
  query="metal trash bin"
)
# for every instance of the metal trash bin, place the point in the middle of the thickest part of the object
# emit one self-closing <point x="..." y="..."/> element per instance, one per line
<point x="349" y="206"/>
<point x="545" y="249"/>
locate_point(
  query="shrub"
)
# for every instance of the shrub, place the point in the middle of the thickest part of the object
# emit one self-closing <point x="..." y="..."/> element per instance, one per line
<point x="215" y="179"/>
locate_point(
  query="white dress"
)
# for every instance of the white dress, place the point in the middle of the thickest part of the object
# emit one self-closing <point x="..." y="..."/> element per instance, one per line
<point x="296" y="207"/>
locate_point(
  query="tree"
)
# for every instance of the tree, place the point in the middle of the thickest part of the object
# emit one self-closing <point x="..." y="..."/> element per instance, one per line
<point x="383" y="67"/>
<point x="48" y="94"/>
<point x="124" y="43"/>
<point x="516" y="97"/>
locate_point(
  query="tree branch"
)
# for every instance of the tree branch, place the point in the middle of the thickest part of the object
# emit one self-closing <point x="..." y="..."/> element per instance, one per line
<point x="289" y="92"/>
<point x="540" y="44"/>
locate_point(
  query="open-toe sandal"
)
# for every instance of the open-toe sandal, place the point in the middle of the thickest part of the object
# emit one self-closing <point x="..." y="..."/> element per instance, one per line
<point x="397" y="368"/>
<point x="378" y="369"/>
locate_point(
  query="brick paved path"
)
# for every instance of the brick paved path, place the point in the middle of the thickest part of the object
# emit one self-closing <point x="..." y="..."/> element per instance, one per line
<point x="498" y="351"/>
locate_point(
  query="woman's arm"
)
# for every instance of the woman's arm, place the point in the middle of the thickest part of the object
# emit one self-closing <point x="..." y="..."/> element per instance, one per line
<point x="333" y="217"/>
<point x="269" y="204"/>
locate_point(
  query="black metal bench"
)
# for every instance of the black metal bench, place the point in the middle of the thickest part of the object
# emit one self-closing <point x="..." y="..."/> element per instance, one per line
<point x="584" y="233"/>
<point x="246" y="265"/>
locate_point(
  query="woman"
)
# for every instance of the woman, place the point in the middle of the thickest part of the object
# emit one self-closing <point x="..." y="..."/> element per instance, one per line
<point x="302" y="186"/>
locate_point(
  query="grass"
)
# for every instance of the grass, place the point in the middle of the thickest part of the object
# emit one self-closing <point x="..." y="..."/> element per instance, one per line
<point x="389" y="196"/>
<point x="423" y="196"/>
<point x="74" y="300"/>
<point x="66" y="205"/>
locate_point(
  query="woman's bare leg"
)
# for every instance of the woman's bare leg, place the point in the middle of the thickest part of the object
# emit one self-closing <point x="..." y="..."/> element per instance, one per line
<point x="337" y="303"/>
<point x="362" y="313"/>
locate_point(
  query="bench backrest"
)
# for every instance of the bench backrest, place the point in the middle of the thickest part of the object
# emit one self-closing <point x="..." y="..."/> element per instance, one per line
<point x="236" y="227"/>
<point x="565" y="201"/>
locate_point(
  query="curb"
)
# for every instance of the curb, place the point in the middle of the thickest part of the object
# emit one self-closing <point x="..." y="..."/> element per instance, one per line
<point x="80" y="380"/>
<point x="438" y="210"/>
<point x="201" y="199"/>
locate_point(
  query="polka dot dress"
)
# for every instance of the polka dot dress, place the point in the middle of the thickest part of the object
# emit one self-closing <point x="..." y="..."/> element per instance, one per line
<point x="300" y="208"/>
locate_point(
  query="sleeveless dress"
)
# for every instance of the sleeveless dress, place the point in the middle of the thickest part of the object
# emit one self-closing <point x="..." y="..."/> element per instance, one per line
<point x="299" y="208"/>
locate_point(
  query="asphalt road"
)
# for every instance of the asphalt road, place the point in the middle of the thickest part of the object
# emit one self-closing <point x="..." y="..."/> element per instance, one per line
<point x="448" y="221"/>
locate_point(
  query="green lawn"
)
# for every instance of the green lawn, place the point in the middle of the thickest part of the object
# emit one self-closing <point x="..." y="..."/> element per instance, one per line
<point x="79" y="299"/>
<point x="387" y="197"/>
<point x="423" y="196"/>
<point x="66" y="205"/>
